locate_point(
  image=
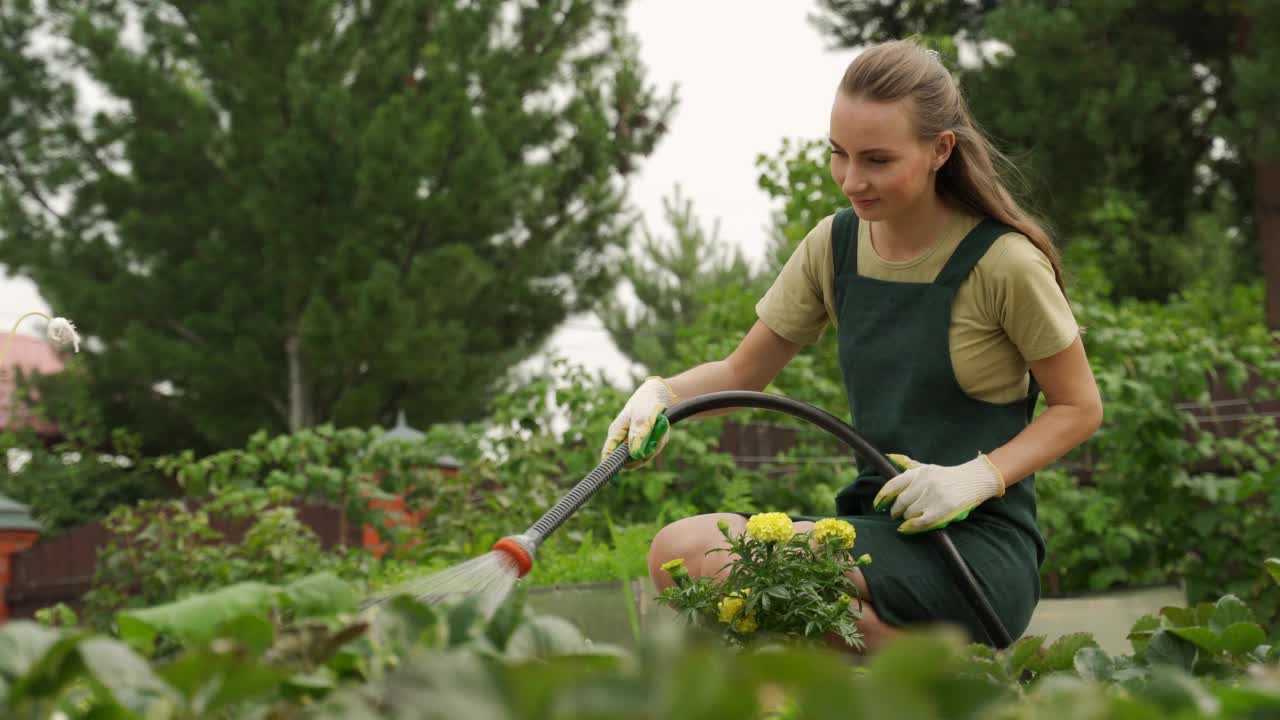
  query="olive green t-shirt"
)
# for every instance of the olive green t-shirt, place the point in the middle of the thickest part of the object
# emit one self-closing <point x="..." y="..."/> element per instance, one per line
<point x="1009" y="311"/>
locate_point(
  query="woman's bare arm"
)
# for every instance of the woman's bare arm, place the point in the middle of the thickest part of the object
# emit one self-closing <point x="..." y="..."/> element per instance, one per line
<point x="1073" y="415"/>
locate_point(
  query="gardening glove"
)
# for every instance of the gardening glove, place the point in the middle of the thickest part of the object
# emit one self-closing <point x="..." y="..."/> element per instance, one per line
<point x="933" y="496"/>
<point x="641" y="422"/>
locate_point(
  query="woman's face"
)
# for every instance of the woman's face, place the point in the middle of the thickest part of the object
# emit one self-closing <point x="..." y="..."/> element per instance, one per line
<point x="877" y="160"/>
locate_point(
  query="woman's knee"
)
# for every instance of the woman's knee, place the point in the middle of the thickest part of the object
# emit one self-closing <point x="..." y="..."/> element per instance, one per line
<point x="691" y="538"/>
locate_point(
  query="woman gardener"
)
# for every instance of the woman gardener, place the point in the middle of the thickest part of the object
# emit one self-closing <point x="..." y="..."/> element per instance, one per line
<point x="951" y="317"/>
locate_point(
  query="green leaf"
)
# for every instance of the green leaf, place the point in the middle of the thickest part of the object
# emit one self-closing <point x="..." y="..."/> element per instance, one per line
<point x="215" y="679"/>
<point x="1060" y="656"/>
<point x="1201" y="637"/>
<point x="1229" y="610"/>
<point x="195" y="619"/>
<point x="506" y="618"/>
<point x="546" y="636"/>
<point x="1165" y="648"/>
<point x="1023" y="651"/>
<point x="255" y="632"/>
<point x="1175" y="693"/>
<point x="40" y="661"/>
<point x="465" y="622"/>
<point x="1248" y="702"/>
<point x="1142" y="631"/>
<point x="1273" y="568"/>
<point x="778" y="591"/>
<point x="314" y="681"/>
<point x="1242" y="638"/>
<point x="1180" y="616"/>
<point x="1092" y="663"/>
<point x="126" y="676"/>
<point x="22" y="644"/>
<point x="319" y="595"/>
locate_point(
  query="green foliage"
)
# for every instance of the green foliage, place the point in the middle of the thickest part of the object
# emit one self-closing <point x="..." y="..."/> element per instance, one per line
<point x="514" y="468"/>
<point x="69" y="483"/>
<point x="1174" y="479"/>
<point x="1094" y="542"/>
<point x="165" y="550"/>
<point x="256" y="650"/>
<point x="670" y="278"/>
<point x="91" y="470"/>
<point x="780" y="586"/>
<point x="315" y="212"/>
<point x="798" y="177"/>
<point x="623" y="557"/>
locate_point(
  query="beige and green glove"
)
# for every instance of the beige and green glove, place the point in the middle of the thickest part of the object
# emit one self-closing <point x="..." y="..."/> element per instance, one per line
<point x="933" y="496"/>
<point x="641" y="422"/>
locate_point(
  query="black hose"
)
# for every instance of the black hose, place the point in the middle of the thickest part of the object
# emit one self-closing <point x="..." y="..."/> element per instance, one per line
<point x="844" y="432"/>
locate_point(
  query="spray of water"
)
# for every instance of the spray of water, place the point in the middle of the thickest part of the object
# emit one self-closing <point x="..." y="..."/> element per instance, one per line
<point x="485" y="580"/>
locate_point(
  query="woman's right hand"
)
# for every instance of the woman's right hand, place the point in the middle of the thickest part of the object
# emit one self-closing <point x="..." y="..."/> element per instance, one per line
<point x="641" y="422"/>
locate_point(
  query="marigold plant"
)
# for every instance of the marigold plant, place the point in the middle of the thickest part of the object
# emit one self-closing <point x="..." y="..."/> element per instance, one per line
<point x="779" y="584"/>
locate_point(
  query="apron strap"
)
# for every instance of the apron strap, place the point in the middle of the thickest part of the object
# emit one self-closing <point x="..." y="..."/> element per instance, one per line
<point x="844" y="248"/>
<point x="970" y="251"/>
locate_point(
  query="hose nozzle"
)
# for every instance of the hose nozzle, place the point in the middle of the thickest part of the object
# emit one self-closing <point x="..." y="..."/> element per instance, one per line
<point x="520" y="549"/>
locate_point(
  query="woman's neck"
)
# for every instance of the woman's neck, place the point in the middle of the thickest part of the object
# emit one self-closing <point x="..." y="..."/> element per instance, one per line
<point x="906" y="235"/>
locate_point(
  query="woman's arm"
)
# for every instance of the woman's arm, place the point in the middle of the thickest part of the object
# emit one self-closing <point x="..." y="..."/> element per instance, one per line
<point x="1073" y="415"/>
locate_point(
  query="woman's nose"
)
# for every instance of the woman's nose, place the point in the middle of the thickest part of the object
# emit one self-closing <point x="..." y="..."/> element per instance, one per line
<point x="853" y="183"/>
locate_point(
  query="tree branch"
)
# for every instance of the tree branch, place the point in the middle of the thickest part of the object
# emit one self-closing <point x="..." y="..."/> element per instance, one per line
<point x="16" y="171"/>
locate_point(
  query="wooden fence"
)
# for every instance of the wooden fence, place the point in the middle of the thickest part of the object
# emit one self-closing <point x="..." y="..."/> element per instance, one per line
<point x="60" y="569"/>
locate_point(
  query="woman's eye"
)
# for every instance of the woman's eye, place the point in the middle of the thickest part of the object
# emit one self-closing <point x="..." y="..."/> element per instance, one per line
<point x="878" y="160"/>
<point x="835" y="151"/>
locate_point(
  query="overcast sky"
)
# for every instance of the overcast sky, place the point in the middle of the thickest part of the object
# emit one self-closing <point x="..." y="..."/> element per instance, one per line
<point x="748" y="72"/>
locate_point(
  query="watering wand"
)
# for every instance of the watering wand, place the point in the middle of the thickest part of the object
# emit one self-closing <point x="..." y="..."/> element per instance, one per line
<point x="523" y="547"/>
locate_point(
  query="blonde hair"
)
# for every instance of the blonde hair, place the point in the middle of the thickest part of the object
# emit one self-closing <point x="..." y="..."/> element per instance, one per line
<point x="900" y="69"/>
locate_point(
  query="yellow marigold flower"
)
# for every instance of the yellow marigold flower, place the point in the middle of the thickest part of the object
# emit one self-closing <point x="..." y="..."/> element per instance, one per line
<point x="747" y="625"/>
<point x="830" y="528"/>
<point x="769" y="527"/>
<point x="731" y="607"/>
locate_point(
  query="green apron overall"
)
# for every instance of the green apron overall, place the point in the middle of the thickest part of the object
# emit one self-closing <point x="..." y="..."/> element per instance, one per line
<point x="894" y="351"/>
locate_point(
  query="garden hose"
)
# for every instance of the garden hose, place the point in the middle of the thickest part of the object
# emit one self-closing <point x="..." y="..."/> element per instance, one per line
<point x="523" y="547"/>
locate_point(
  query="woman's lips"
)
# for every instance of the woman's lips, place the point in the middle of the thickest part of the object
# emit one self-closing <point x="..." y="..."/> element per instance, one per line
<point x="866" y="203"/>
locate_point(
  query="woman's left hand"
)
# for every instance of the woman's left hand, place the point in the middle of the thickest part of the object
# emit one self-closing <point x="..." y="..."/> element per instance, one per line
<point x="933" y="496"/>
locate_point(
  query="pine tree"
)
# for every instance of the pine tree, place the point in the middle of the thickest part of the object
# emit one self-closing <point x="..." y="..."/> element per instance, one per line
<point x="293" y="212"/>
<point x="669" y="277"/>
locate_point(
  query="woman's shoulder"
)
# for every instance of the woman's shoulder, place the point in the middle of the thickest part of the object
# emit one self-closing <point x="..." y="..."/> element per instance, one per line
<point x="1013" y="253"/>
<point x="816" y="245"/>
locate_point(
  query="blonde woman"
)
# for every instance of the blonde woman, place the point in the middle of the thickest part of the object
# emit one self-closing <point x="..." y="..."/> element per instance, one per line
<point x="951" y="316"/>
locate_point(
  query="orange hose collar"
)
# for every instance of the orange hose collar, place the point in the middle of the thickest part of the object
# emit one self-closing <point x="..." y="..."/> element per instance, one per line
<point x="517" y="553"/>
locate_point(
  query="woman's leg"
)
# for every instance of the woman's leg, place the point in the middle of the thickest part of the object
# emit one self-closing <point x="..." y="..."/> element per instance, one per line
<point x="691" y="538"/>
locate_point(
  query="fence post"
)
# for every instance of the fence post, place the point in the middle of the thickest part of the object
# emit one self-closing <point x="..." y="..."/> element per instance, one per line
<point x="12" y="542"/>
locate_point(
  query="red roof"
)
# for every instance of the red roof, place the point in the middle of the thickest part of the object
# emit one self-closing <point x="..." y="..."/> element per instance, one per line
<point x="31" y="355"/>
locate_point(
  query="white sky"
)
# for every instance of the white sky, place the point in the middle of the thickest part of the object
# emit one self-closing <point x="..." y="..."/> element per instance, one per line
<point x="748" y="72"/>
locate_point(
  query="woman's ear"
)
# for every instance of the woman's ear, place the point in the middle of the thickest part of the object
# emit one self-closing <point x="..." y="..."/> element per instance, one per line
<point x="942" y="147"/>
